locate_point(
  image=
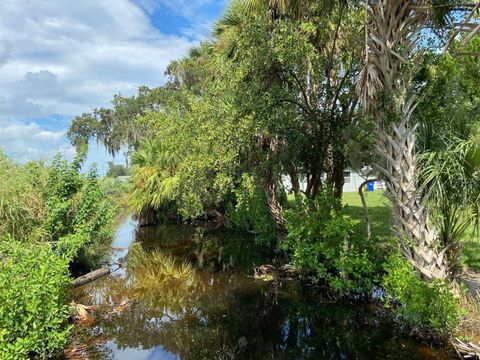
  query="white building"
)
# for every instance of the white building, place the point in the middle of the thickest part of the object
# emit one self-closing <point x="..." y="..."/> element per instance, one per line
<point x="353" y="180"/>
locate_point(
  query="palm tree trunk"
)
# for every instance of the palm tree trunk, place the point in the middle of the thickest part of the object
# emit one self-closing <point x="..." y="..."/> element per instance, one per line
<point x="392" y="31"/>
<point x="418" y="238"/>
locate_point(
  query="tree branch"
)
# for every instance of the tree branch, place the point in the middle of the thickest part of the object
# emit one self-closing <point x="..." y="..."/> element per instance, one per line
<point x="365" y="208"/>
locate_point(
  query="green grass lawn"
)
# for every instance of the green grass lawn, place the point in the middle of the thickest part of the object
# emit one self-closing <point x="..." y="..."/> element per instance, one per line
<point x="381" y="223"/>
<point x="471" y="251"/>
<point x="380" y="218"/>
<point x="379" y="213"/>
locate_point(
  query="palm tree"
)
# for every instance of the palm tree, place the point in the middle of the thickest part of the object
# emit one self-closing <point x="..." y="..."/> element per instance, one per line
<point x="393" y="32"/>
<point x="293" y="8"/>
<point x="450" y="180"/>
<point x="225" y="48"/>
<point x="154" y="182"/>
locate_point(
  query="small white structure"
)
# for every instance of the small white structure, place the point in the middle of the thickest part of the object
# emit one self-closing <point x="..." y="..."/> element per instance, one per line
<point x="123" y="178"/>
<point x="353" y="180"/>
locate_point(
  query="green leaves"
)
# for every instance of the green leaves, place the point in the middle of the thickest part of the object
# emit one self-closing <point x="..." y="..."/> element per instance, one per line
<point x="320" y="241"/>
<point x="33" y="298"/>
<point x="79" y="212"/>
<point x="250" y="212"/>
<point x="450" y="178"/>
<point x="68" y="214"/>
<point x="22" y="206"/>
<point x="428" y="308"/>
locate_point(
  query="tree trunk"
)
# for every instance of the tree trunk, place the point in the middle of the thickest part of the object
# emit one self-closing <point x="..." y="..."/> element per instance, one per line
<point x="271" y="187"/>
<point x="270" y="182"/>
<point x="365" y="207"/>
<point x="338" y="179"/>
<point x="294" y="180"/>
<point x="148" y="217"/>
<point x="391" y="34"/>
<point x="418" y="238"/>
<point x="91" y="276"/>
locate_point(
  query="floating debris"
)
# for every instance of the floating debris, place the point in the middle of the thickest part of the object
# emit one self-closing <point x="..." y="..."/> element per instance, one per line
<point x="269" y="272"/>
<point x="124" y="305"/>
<point x="91" y="276"/>
<point x="466" y="350"/>
<point x="82" y="313"/>
<point x="77" y="352"/>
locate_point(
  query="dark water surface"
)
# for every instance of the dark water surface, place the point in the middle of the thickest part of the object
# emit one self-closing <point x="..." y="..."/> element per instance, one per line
<point x="218" y="311"/>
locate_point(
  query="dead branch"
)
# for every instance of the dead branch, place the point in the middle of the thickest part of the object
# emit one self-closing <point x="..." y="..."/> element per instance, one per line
<point x="91" y="276"/>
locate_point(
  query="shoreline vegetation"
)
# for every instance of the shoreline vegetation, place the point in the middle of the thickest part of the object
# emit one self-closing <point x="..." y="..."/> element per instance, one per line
<point x="253" y="131"/>
<point x="55" y="223"/>
<point x="352" y="207"/>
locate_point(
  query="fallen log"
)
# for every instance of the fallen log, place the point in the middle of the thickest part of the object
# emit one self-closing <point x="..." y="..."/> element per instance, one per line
<point x="91" y="276"/>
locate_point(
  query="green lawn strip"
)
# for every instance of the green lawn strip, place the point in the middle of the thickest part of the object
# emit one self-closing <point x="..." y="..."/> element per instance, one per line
<point x="379" y="214"/>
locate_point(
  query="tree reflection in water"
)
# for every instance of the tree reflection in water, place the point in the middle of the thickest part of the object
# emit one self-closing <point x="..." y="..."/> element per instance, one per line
<point x="216" y="311"/>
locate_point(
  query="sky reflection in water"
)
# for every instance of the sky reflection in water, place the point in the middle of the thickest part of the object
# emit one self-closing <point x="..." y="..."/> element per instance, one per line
<point x="220" y="312"/>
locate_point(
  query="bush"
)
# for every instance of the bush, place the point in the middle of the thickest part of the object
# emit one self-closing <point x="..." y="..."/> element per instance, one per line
<point x="52" y="219"/>
<point x="79" y="212"/>
<point x="319" y="240"/>
<point x="251" y="213"/>
<point x="429" y="308"/>
<point x="33" y="294"/>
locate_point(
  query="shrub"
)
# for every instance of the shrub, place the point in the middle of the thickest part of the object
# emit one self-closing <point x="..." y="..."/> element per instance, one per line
<point x="33" y="294"/>
<point x="52" y="219"/>
<point x="250" y="212"/>
<point x="429" y="308"/>
<point x="319" y="240"/>
<point x="79" y="212"/>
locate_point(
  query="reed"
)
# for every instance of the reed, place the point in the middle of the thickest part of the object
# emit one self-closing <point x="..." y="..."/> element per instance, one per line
<point x="22" y="206"/>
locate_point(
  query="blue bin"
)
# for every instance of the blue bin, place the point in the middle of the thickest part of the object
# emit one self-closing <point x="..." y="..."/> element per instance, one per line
<point x="371" y="186"/>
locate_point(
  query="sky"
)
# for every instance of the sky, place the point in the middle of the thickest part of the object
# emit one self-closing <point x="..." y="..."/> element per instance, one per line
<point x="61" y="58"/>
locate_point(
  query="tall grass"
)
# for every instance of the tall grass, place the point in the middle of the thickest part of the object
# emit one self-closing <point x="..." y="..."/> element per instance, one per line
<point x="22" y="207"/>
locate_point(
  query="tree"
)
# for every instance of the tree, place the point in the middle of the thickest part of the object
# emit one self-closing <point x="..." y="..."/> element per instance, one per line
<point x="116" y="170"/>
<point x="300" y="84"/>
<point x="116" y="128"/>
<point x="154" y="181"/>
<point x="394" y="29"/>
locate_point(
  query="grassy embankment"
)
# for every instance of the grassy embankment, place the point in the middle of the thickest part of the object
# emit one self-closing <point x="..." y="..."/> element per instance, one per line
<point x="382" y="232"/>
<point x="382" y="229"/>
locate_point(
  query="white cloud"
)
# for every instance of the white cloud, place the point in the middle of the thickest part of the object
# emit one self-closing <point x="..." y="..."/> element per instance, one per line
<point x="30" y="141"/>
<point x="58" y="48"/>
<point x="5" y="49"/>
<point x="199" y="30"/>
<point x="67" y="57"/>
<point x="40" y="85"/>
<point x="37" y="94"/>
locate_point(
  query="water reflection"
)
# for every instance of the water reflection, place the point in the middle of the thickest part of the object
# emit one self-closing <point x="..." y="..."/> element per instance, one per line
<point x="219" y="312"/>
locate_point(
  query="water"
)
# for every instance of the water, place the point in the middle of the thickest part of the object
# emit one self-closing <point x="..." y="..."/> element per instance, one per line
<point x="218" y="311"/>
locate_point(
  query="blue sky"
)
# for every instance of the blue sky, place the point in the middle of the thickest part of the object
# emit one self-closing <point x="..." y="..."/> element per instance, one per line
<point x="59" y="58"/>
